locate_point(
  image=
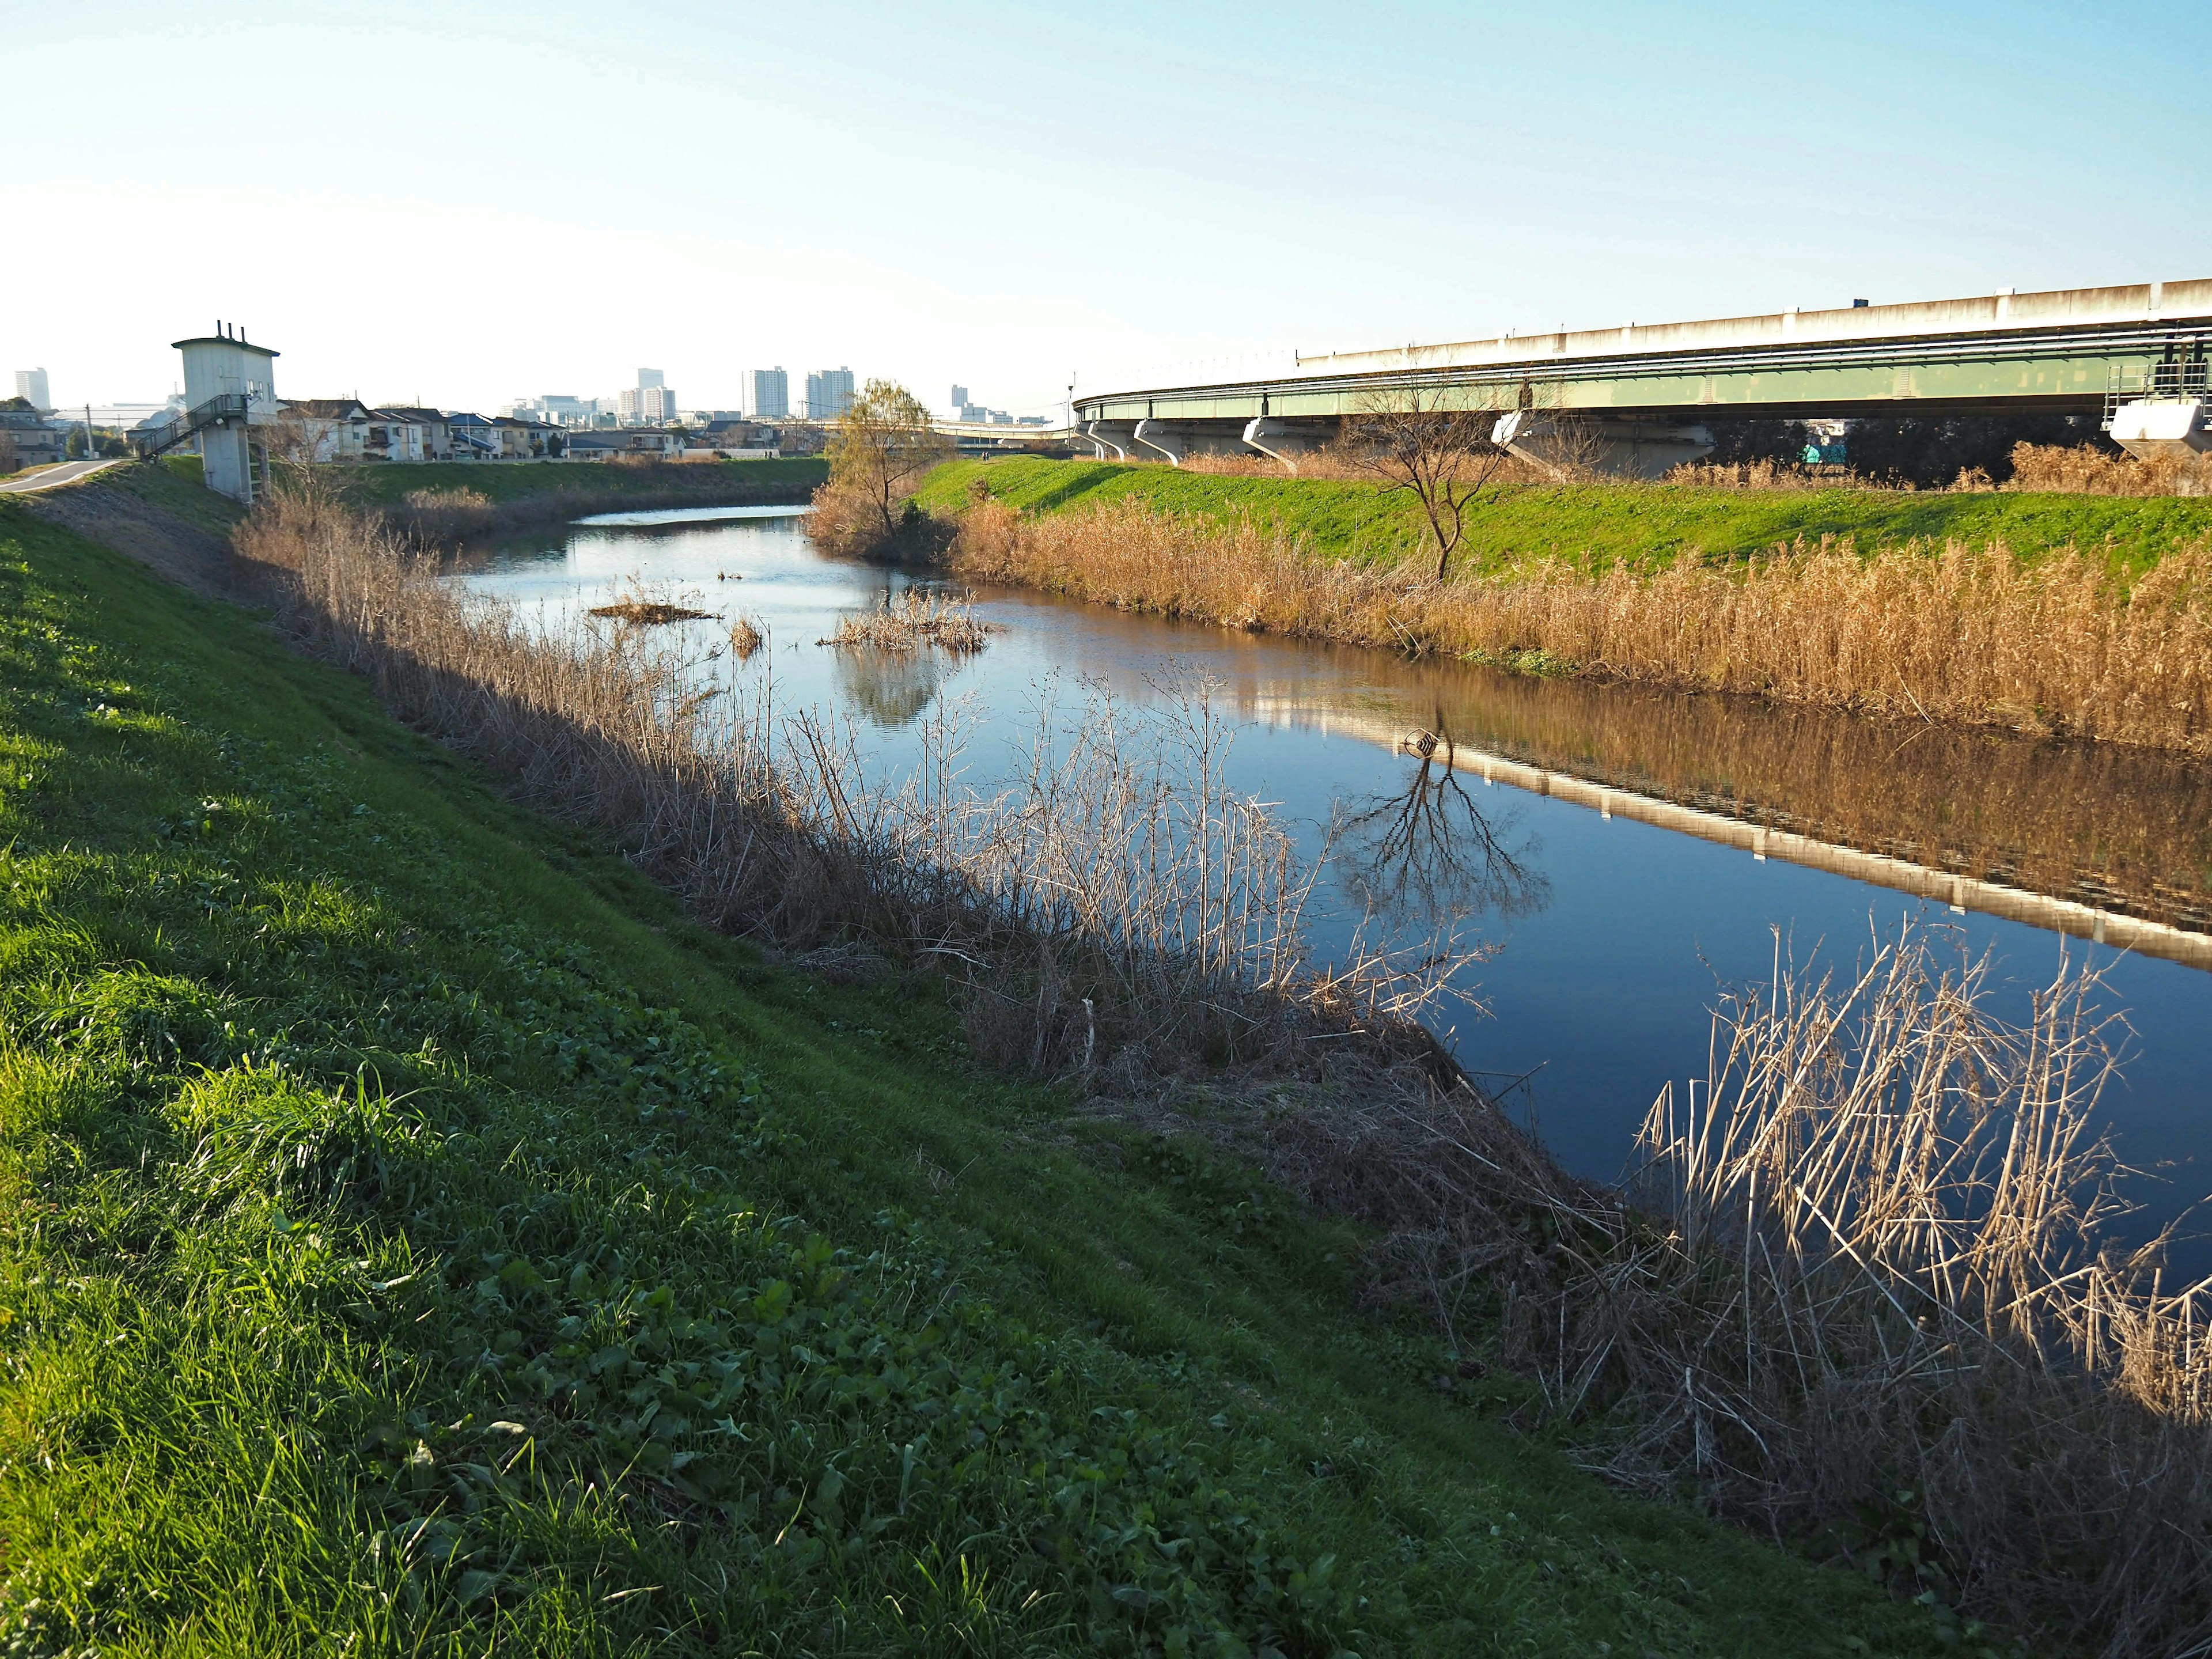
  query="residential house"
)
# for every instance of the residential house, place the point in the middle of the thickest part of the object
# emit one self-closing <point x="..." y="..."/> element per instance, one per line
<point x="329" y="429"/>
<point x="727" y="433"/>
<point x="472" y="437"/>
<point x="648" y="443"/>
<point x="522" y="440"/>
<point x="437" y="442"/>
<point x="25" y="440"/>
<point x="393" y="436"/>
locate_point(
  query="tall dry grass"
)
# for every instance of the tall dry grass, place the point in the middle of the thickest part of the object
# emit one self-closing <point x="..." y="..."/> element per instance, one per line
<point x="2086" y="469"/>
<point x="1882" y="1315"/>
<point x="1116" y="910"/>
<point x="1861" y="1298"/>
<point x="1958" y="633"/>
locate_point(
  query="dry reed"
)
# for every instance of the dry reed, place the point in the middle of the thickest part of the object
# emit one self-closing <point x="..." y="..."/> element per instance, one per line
<point x="915" y="619"/>
<point x="1115" y="909"/>
<point x="1769" y="475"/>
<point x="2086" y="469"/>
<point x="1881" y="1317"/>
<point x="747" y="635"/>
<point x="1959" y="634"/>
<point x="648" y="613"/>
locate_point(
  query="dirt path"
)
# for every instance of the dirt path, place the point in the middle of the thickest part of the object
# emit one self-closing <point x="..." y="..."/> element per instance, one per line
<point x="193" y="556"/>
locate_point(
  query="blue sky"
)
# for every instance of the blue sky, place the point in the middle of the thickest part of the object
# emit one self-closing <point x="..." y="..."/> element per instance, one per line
<point x="465" y="204"/>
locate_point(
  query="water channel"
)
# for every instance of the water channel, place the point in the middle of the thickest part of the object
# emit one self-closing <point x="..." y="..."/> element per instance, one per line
<point x="1644" y="846"/>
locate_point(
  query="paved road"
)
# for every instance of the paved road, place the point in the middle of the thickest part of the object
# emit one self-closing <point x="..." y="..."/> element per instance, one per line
<point x="67" y="472"/>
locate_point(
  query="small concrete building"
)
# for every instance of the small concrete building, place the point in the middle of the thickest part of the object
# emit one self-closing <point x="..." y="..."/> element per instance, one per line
<point x="229" y="385"/>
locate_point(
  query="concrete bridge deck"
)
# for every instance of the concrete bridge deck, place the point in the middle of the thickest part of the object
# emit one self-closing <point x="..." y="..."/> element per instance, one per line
<point x="2068" y="351"/>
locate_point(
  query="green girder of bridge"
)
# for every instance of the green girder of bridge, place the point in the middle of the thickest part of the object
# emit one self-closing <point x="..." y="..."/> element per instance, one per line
<point x="2058" y="373"/>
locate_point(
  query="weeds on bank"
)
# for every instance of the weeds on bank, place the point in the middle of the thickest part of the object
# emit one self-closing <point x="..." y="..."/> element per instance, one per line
<point x="1960" y="634"/>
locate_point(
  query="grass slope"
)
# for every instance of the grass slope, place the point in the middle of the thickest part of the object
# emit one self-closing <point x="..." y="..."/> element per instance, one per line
<point x="417" y="1237"/>
<point x="1599" y="523"/>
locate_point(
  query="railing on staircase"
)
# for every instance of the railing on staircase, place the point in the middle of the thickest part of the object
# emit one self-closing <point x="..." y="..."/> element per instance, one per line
<point x="224" y="406"/>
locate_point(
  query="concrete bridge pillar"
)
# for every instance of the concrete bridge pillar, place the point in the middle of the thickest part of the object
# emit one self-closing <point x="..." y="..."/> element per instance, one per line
<point x="1113" y="439"/>
<point x="1619" y="447"/>
<point x="1281" y="442"/>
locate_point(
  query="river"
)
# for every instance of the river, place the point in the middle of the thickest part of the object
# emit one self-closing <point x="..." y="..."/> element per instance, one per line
<point x="1640" y="849"/>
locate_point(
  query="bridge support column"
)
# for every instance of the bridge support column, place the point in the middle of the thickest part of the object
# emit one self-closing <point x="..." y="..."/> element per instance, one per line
<point x="1162" y="439"/>
<point x="1279" y="442"/>
<point x="1111" y="438"/>
<point x="1608" y="444"/>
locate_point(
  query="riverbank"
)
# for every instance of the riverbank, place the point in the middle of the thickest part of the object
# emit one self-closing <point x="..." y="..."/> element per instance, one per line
<point x="445" y="1243"/>
<point x="445" y="503"/>
<point x="2113" y="644"/>
<point x="1592" y="527"/>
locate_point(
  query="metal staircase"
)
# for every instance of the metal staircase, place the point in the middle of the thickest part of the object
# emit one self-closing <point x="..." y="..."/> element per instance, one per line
<point x="224" y="406"/>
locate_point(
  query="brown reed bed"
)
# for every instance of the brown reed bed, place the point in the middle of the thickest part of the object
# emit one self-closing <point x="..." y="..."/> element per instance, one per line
<point x="2089" y="470"/>
<point x="1859" y="1296"/>
<point x="1959" y="634"/>
<point x="650" y="613"/>
<point x="747" y="635"/>
<point x="914" y="619"/>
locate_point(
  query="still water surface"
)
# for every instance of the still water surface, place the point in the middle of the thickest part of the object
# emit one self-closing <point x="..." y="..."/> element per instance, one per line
<point x="1613" y="934"/>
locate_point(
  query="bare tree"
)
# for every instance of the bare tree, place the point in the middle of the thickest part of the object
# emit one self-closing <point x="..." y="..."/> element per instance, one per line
<point x="11" y="458"/>
<point x="1433" y="442"/>
<point x="882" y="446"/>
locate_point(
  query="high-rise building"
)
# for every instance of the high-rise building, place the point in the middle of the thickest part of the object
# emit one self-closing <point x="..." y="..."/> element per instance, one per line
<point x="959" y="398"/>
<point x="829" y="394"/>
<point x="648" y="378"/>
<point x="31" y="384"/>
<point x="768" y="394"/>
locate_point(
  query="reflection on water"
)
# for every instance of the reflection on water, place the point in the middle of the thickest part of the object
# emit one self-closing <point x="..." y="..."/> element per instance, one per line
<point x="890" y="688"/>
<point x="2125" y="831"/>
<point x="1426" y="852"/>
<point x="1612" y="933"/>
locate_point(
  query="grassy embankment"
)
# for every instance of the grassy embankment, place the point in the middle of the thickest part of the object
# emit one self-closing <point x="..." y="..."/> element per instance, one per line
<point x="447" y="500"/>
<point x="419" y="1237"/>
<point x="1593" y="526"/>
<point x="2090" y="615"/>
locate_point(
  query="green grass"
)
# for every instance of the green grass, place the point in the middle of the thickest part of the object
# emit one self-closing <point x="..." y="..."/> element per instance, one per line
<point x="415" y="1237"/>
<point x="388" y="484"/>
<point x="1596" y="524"/>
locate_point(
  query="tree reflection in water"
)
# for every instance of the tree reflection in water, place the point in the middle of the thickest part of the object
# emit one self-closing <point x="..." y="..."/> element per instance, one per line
<point x="890" y="689"/>
<point x="1428" y="852"/>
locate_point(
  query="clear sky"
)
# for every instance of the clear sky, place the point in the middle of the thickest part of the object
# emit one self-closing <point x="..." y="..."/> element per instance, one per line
<point x="467" y="203"/>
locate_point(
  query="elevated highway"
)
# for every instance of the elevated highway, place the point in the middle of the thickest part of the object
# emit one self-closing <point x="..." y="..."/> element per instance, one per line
<point x="1634" y="399"/>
